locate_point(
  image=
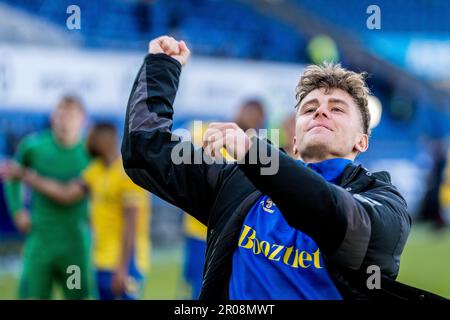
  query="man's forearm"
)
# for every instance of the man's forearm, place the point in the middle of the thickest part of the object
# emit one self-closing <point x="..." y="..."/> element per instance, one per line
<point x="128" y="239"/>
<point x="59" y="192"/>
<point x="150" y="110"/>
<point x="148" y="144"/>
<point x="305" y="199"/>
<point x="13" y="196"/>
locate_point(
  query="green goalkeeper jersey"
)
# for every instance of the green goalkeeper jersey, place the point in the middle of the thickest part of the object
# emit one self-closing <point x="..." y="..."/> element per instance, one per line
<point x="51" y="220"/>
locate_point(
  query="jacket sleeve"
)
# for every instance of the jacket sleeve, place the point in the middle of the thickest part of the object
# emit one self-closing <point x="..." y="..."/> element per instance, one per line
<point x="345" y="226"/>
<point x="153" y="157"/>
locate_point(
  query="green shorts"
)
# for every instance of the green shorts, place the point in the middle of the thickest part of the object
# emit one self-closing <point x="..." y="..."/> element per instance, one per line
<point x="65" y="264"/>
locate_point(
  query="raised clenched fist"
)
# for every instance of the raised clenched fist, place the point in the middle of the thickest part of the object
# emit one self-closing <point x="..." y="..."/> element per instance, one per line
<point x="168" y="45"/>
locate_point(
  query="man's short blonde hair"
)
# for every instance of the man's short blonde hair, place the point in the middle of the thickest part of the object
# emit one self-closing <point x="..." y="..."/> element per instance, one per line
<point x="69" y="102"/>
<point x="330" y="76"/>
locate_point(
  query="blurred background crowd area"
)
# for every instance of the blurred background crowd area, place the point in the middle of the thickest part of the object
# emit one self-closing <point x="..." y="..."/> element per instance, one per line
<point x="242" y="50"/>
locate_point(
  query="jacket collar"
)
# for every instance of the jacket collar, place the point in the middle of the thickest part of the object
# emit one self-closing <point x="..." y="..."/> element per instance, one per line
<point x="356" y="178"/>
<point x="330" y="169"/>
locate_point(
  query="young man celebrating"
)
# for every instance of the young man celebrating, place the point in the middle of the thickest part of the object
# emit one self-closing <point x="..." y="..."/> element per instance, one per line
<point x="308" y="231"/>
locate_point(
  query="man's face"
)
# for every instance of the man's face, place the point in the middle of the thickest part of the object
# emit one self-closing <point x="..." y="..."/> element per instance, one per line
<point x="67" y="122"/>
<point x="101" y="143"/>
<point x="250" y="117"/>
<point x="328" y="126"/>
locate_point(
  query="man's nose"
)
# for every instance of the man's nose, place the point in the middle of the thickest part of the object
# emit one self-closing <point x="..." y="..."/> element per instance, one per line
<point x="322" y="111"/>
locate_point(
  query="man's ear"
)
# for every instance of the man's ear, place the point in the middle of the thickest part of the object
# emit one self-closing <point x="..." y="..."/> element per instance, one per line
<point x="362" y="144"/>
<point x="294" y="148"/>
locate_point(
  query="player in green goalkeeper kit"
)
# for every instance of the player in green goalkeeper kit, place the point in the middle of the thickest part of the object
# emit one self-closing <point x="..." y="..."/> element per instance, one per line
<point x="57" y="235"/>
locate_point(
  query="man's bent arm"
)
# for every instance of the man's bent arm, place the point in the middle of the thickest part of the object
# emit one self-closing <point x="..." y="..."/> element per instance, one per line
<point x="65" y="193"/>
<point x="13" y="187"/>
<point x="340" y="224"/>
<point x="13" y="196"/>
<point x="129" y="236"/>
<point x="149" y="148"/>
